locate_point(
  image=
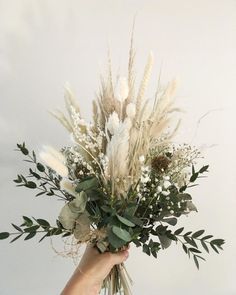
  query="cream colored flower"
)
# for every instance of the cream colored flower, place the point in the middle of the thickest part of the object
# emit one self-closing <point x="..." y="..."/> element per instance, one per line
<point x="54" y="159"/>
<point x="122" y="89"/>
<point x="113" y="123"/>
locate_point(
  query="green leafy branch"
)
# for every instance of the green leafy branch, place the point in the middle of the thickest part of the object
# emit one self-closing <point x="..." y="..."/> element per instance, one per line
<point x="191" y="239"/>
<point x="45" y="180"/>
<point x="29" y="229"/>
<point x="194" y="176"/>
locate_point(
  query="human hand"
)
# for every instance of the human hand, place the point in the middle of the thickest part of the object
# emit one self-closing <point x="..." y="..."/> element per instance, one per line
<point x="93" y="268"/>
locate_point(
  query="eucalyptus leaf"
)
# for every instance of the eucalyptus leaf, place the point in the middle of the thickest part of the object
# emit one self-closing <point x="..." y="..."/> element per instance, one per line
<point x="71" y="211"/>
<point x="88" y="184"/>
<point x="4" y="235"/>
<point x="28" y="221"/>
<point x="179" y="231"/>
<point x="165" y="241"/>
<point x="115" y="241"/>
<point x="121" y="233"/>
<point x="82" y="228"/>
<point x="16" y="238"/>
<point x="125" y="221"/>
<point x="198" y="233"/>
<point x="191" y="206"/>
<point x="30" y="235"/>
<point x="171" y="221"/>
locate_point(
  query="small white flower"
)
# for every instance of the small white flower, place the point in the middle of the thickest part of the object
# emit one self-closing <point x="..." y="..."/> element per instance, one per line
<point x="159" y="189"/>
<point x="76" y="160"/>
<point x="171" y="212"/>
<point x="141" y="159"/>
<point x="166" y="184"/>
<point x="166" y="177"/>
<point x="165" y="193"/>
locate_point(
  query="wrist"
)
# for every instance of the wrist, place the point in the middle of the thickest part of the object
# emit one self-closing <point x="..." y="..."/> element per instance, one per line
<point x="82" y="284"/>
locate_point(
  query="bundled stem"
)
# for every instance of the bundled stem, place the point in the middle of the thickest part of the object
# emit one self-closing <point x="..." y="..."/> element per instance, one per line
<point x="118" y="281"/>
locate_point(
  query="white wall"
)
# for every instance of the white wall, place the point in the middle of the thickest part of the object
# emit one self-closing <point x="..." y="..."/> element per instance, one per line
<point x="43" y="44"/>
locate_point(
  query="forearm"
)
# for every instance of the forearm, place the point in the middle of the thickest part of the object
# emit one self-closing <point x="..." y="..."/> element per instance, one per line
<point x="80" y="284"/>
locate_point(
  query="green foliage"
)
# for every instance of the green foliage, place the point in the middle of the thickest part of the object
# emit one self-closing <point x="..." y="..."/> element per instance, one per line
<point x="29" y="229"/>
<point x="44" y="180"/>
<point x="87" y="184"/>
<point x="4" y="235"/>
<point x="121" y="233"/>
<point x="125" y="221"/>
<point x="148" y="224"/>
<point x="191" y="243"/>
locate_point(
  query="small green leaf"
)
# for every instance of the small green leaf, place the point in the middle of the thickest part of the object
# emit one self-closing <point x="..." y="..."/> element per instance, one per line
<point x="134" y="219"/>
<point x="194" y="177"/>
<point x="125" y="221"/>
<point x="34" y="156"/>
<point x="24" y="150"/>
<point x="115" y="241"/>
<point x="55" y="231"/>
<point x="204" y="245"/>
<point x="154" y="253"/>
<point x="165" y="241"/>
<point x="17" y="227"/>
<point x="66" y="234"/>
<point x="47" y="235"/>
<point x="217" y="242"/>
<point x="193" y="170"/>
<point x="188" y="233"/>
<point x="31" y="184"/>
<point x="185" y="248"/>
<point x="4" y="235"/>
<point x="18" y="180"/>
<point x="171" y="221"/>
<point x="43" y="222"/>
<point x="178" y="231"/>
<point x="207" y="237"/>
<point x="198" y="233"/>
<point x="40" y="167"/>
<point x="183" y="188"/>
<point x="32" y="228"/>
<point x="214" y="248"/>
<point x="88" y="184"/>
<point x="196" y="261"/>
<point x="39" y="194"/>
<point x="121" y="233"/>
<point x="194" y="250"/>
<point x="36" y="175"/>
<point x="30" y="235"/>
<point x="28" y="221"/>
<point x="146" y="249"/>
<point x="190" y="241"/>
<point x="16" y="238"/>
<point x="203" y="169"/>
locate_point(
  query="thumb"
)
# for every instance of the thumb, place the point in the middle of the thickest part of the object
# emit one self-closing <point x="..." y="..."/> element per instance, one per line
<point x="120" y="256"/>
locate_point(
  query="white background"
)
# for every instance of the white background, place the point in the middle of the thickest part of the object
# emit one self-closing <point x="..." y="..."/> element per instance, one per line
<point x="43" y="44"/>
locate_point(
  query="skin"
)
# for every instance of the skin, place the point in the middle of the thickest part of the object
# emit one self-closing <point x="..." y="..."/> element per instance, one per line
<point x="92" y="270"/>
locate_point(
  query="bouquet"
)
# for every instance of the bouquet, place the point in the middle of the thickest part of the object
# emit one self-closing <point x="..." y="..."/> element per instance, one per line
<point x="123" y="179"/>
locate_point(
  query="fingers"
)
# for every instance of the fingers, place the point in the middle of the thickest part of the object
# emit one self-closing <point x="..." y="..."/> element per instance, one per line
<point x="120" y="256"/>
